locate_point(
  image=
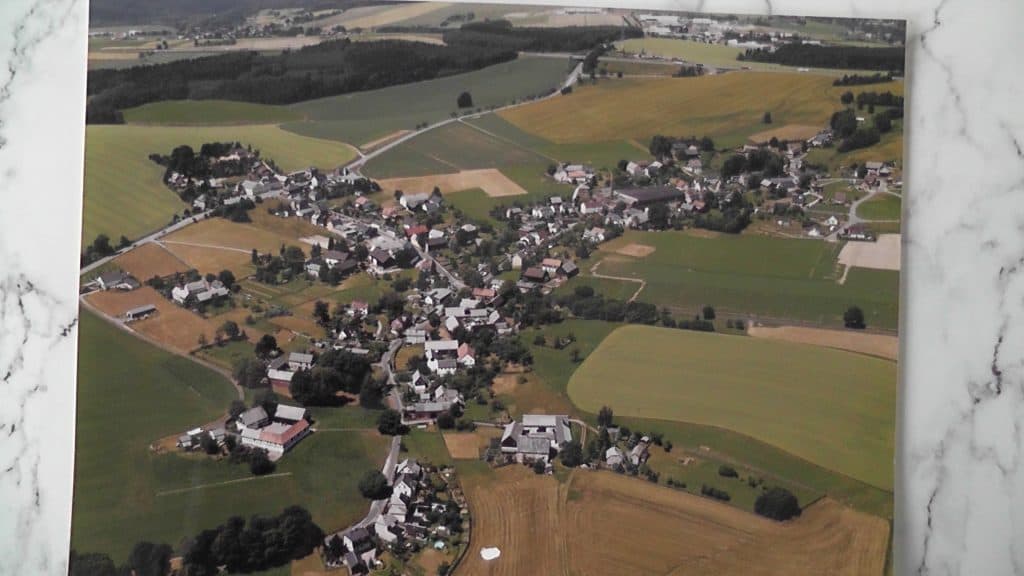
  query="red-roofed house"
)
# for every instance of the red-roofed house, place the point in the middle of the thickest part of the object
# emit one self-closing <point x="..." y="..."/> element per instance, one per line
<point x="277" y="438"/>
<point x="467" y="356"/>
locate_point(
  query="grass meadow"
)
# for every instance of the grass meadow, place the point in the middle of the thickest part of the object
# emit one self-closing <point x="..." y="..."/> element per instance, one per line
<point x="131" y="394"/>
<point x="124" y="193"/>
<point x="779" y="392"/>
<point x="754" y="275"/>
<point x="208" y="112"/>
<point x="881" y="207"/>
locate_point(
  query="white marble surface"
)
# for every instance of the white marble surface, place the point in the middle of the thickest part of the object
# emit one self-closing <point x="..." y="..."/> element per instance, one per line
<point x="960" y="485"/>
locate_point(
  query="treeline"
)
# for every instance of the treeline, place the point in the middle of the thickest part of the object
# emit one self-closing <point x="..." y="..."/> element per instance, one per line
<point x="237" y="546"/>
<point x="585" y="303"/>
<point x="890" y="59"/>
<point x="860" y="80"/>
<point x="326" y="69"/>
<point x="111" y="12"/>
<point x="502" y="36"/>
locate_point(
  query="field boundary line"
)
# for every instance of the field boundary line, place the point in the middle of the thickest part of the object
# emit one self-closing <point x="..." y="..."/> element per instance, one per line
<point x="200" y="245"/>
<point x="642" y="282"/>
<point x="225" y="483"/>
<point x="506" y="140"/>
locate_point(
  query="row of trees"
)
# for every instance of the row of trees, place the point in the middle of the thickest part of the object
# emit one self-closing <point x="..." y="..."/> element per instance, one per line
<point x="859" y="79"/>
<point x="859" y="57"/>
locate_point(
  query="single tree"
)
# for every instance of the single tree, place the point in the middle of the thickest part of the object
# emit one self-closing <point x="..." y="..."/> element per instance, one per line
<point x="266" y="345"/>
<point x="322" y="313"/>
<point x="572" y="454"/>
<point x="709" y="312"/>
<point x="854" y="318"/>
<point x="605" y="416"/>
<point x="374" y="485"/>
<point x="231" y="330"/>
<point x="778" y="504"/>
<point x="767" y="118"/>
<point x="465" y="100"/>
<point x="259" y="462"/>
<point x="846" y="98"/>
<point x="390" y="423"/>
<point x="539" y="467"/>
<point x="255" y="256"/>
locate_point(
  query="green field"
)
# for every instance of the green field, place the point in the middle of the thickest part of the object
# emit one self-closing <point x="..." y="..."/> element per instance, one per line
<point x="728" y="107"/>
<point x="834" y="408"/>
<point x="131" y="394"/>
<point x="888" y="149"/>
<point x="555" y="369"/>
<point x="208" y="112"/>
<point x="881" y="207"/>
<point x="362" y="117"/>
<point x="638" y="68"/>
<point x="123" y="189"/>
<point x="752" y="275"/>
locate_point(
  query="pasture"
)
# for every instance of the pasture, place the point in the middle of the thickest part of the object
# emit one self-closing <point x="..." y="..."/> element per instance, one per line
<point x="124" y="194"/>
<point x="727" y="107"/>
<point x="880" y="207"/>
<point x="208" y="112"/>
<point x="779" y="392"/>
<point x="450" y="148"/>
<point x="663" y="531"/>
<point x="758" y="276"/>
<point x="362" y="117"/>
<point x="129" y="395"/>
<point x="713" y="55"/>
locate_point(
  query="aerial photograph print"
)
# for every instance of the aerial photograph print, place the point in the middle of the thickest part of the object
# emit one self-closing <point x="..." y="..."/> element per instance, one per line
<point x="428" y="289"/>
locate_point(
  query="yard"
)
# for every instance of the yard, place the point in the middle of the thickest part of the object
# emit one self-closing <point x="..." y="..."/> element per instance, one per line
<point x="753" y="275"/>
<point x="781" y="393"/>
<point x="129" y="395"/>
<point x="728" y="107"/>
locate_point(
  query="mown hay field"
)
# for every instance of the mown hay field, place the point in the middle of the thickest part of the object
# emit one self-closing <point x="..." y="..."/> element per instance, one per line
<point x="603" y="523"/>
<point x="659" y="530"/>
<point x="831" y="407"/>
<point x="172" y="325"/>
<point x="757" y="276"/>
<point x="125" y="384"/>
<point x="124" y="194"/>
<point x="150" y="260"/>
<point x="726" y="107"/>
<point x="881" y="345"/>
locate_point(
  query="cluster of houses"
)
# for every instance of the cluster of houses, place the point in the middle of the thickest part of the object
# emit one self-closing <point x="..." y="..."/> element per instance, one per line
<point x="405" y="518"/>
<point x="616" y="458"/>
<point x="199" y="292"/>
<point x="256" y="429"/>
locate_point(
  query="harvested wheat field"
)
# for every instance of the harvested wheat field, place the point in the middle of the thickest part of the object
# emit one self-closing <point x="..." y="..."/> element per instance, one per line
<point x="881" y="345"/>
<point x="150" y="260"/>
<point x="172" y="325"/>
<point x="218" y="232"/>
<point x="211" y="259"/>
<point x="491" y="181"/>
<point x="659" y="530"/>
<point x="518" y="512"/>
<point x="788" y="132"/>
<point x="467" y="445"/>
<point x="635" y="250"/>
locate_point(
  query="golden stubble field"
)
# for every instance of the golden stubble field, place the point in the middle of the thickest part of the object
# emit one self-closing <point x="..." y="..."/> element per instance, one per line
<point x="603" y="523"/>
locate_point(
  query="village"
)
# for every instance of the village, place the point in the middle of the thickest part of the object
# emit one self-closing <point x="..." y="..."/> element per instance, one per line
<point x="466" y="281"/>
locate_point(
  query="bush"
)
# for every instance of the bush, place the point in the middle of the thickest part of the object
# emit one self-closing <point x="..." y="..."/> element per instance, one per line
<point x="712" y="492"/>
<point x="539" y="467"/>
<point x="727" y="471"/>
<point x="778" y="504"/>
<point x="854" y="318"/>
<point x="708" y="312"/>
